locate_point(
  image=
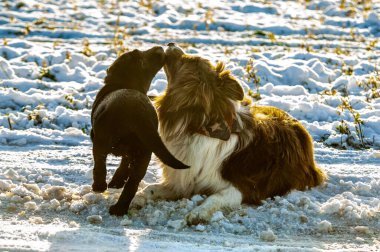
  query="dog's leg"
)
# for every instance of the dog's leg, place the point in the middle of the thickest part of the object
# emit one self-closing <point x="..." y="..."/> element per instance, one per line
<point x="121" y="174"/>
<point x="100" y="171"/>
<point x="152" y="192"/>
<point x="139" y="167"/>
<point x="229" y="197"/>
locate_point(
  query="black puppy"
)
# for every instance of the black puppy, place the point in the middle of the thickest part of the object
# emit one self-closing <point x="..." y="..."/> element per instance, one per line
<point x="124" y="123"/>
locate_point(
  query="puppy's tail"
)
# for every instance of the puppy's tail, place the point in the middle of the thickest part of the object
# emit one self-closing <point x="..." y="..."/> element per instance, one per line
<point x="153" y="142"/>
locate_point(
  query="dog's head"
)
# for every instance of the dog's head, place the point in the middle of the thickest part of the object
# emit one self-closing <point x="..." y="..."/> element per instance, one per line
<point x="201" y="96"/>
<point x="136" y="69"/>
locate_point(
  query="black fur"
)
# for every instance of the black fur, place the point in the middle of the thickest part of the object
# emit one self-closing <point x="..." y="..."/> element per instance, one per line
<point x="124" y="123"/>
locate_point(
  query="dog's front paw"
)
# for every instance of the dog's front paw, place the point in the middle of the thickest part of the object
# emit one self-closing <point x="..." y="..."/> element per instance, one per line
<point x="138" y="202"/>
<point x="198" y="215"/>
<point x="118" y="210"/>
<point x="99" y="187"/>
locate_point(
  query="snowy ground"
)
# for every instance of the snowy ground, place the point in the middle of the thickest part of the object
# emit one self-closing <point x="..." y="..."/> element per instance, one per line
<point x="317" y="60"/>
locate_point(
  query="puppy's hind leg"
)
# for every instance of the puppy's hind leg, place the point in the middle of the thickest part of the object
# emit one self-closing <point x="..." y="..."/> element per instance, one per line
<point x="121" y="174"/>
<point x="100" y="171"/>
<point x="139" y="167"/>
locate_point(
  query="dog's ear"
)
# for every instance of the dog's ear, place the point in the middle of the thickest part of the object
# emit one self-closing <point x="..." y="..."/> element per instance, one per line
<point x="228" y="84"/>
<point x="232" y="89"/>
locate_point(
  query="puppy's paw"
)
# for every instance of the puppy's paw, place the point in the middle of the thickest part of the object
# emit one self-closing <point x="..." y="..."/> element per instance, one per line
<point x="99" y="187"/>
<point x="138" y="202"/>
<point x="117" y="184"/>
<point x="118" y="210"/>
<point x="198" y="215"/>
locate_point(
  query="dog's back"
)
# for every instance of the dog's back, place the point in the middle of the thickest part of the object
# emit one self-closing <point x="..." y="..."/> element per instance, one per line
<point x="125" y="121"/>
<point x="119" y="115"/>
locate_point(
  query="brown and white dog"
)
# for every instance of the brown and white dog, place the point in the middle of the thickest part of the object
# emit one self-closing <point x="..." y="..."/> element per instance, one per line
<point x="238" y="154"/>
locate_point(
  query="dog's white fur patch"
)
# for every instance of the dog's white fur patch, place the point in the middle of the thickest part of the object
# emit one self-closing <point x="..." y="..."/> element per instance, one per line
<point x="205" y="155"/>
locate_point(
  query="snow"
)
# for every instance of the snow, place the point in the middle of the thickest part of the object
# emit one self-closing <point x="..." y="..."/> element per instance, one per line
<point x="217" y="216"/>
<point x="362" y="229"/>
<point x="200" y="228"/>
<point x="176" y="224"/>
<point x="36" y="220"/>
<point x="128" y="222"/>
<point x="268" y="235"/>
<point x="31" y="206"/>
<point x="310" y="57"/>
<point x="324" y="227"/>
<point x="94" y="219"/>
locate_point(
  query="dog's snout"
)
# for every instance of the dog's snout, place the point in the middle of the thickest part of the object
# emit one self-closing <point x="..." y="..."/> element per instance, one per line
<point x="173" y="50"/>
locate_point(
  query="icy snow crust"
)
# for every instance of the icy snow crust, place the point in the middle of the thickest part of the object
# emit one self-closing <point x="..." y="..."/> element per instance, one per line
<point x="47" y="203"/>
<point x="309" y="56"/>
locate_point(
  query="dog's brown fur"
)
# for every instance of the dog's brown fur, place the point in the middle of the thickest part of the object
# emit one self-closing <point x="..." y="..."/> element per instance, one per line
<point x="203" y="95"/>
<point x="270" y="154"/>
<point x="275" y="153"/>
<point x="279" y="157"/>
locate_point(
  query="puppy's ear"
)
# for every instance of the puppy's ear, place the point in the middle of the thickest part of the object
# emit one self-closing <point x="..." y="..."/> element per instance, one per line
<point x="232" y="89"/>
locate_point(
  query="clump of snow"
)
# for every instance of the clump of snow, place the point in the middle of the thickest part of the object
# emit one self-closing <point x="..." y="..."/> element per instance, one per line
<point x="324" y="226"/>
<point x="11" y="174"/>
<point x="85" y="189"/>
<point x="156" y="217"/>
<point x="94" y="219"/>
<point x="73" y="224"/>
<point x="23" y="192"/>
<point x="6" y="71"/>
<point x="375" y="154"/>
<point x="200" y="228"/>
<point x="126" y="222"/>
<point x="92" y="198"/>
<point x="373" y="18"/>
<point x="54" y="192"/>
<point x="77" y="206"/>
<point x="334" y="206"/>
<point x="176" y="224"/>
<point x="268" y="236"/>
<point x="5" y="185"/>
<point x="16" y="199"/>
<point x="362" y="229"/>
<point x="217" y="216"/>
<point x="36" y="220"/>
<point x="54" y="204"/>
<point x="197" y="199"/>
<point x="31" y="206"/>
<point x="33" y="188"/>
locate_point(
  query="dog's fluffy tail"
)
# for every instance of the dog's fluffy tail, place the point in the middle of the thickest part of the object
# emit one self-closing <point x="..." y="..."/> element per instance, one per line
<point x="153" y="142"/>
